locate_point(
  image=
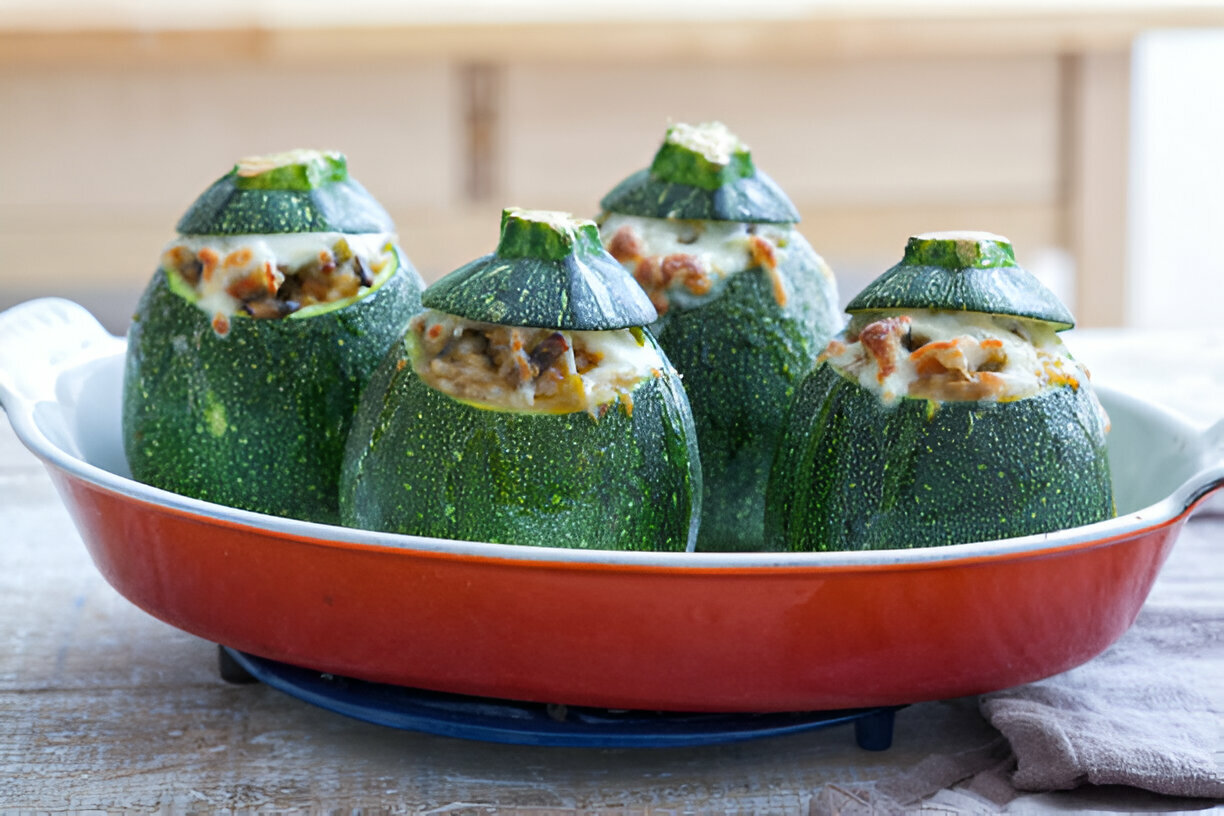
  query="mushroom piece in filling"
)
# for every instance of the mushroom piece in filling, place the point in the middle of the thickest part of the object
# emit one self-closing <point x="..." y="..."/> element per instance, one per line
<point x="273" y="276"/>
<point x="953" y="356"/>
<point x="529" y="369"/>
<point x="672" y="259"/>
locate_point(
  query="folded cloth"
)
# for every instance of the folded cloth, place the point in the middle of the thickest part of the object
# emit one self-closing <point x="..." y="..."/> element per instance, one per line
<point x="1147" y="713"/>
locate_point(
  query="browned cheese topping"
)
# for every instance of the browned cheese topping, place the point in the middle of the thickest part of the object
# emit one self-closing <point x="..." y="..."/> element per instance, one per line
<point x="658" y="273"/>
<point x="673" y="258"/>
<point x="540" y="370"/>
<point x="943" y="356"/>
<point x="262" y="288"/>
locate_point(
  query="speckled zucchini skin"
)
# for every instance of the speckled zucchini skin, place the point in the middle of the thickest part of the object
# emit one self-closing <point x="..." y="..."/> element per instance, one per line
<point x="853" y="473"/>
<point x="545" y="276"/>
<point x="225" y="208"/>
<point x="256" y="419"/>
<point x="684" y="183"/>
<point x="753" y="199"/>
<point x="420" y="462"/>
<point x="742" y="356"/>
<point x="977" y="273"/>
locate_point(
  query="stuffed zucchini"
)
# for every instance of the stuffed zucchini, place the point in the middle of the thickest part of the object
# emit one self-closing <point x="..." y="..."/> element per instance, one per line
<point x="251" y="344"/>
<point x="745" y="304"/>
<point x="948" y="411"/>
<point x="527" y="405"/>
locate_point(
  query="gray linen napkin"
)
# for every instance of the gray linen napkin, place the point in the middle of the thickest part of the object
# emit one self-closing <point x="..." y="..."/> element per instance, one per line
<point x="1147" y="713"/>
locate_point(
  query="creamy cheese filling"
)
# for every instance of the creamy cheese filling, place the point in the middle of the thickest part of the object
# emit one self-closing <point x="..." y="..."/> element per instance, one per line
<point x="953" y="356"/>
<point x="685" y="261"/>
<point x="528" y="369"/>
<point x="271" y="276"/>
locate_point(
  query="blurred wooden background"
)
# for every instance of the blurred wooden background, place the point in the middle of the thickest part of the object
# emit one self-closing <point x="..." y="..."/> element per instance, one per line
<point x="879" y="119"/>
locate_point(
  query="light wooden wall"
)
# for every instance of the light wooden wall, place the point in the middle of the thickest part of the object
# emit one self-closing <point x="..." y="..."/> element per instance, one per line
<point x="100" y="153"/>
<point x="870" y="151"/>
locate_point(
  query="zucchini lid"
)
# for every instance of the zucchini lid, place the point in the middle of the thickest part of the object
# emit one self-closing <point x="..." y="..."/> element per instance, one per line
<point x="963" y="271"/>
<point x="549" y="271"/>
<point x="296" y="191"/>
<point x="702" y="172"/>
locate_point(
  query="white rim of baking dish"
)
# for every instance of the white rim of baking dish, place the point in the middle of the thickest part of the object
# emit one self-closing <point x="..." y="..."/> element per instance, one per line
<point x="68" y="337"/>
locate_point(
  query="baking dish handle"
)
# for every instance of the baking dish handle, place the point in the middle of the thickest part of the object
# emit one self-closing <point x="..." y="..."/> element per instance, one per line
<point x="1211" y="478"/>
<point x="39" y="339"/>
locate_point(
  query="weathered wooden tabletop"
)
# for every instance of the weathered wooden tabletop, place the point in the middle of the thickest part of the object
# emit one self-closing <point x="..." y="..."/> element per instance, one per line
<point x="105" y="709"/>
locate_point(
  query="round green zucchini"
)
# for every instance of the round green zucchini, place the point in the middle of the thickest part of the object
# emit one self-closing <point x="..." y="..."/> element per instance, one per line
<point x="742" y="357"/>
<point x="857" y="471"/>
<point x="624" y="475"/>
<point x="854" y="473"/>
<point x="743" y="347"/>
<point x="256" y="416"/>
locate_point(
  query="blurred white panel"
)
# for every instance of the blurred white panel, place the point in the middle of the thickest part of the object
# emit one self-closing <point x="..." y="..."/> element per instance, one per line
<point x="829" y="131"/>
<point x="1177" y="215"/>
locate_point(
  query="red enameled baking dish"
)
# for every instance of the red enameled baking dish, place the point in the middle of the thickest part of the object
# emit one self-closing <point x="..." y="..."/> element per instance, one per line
<point x="658" y="631"/>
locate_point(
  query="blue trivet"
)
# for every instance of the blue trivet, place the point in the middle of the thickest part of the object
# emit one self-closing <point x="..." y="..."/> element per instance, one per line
<point x="520" y="723"/>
